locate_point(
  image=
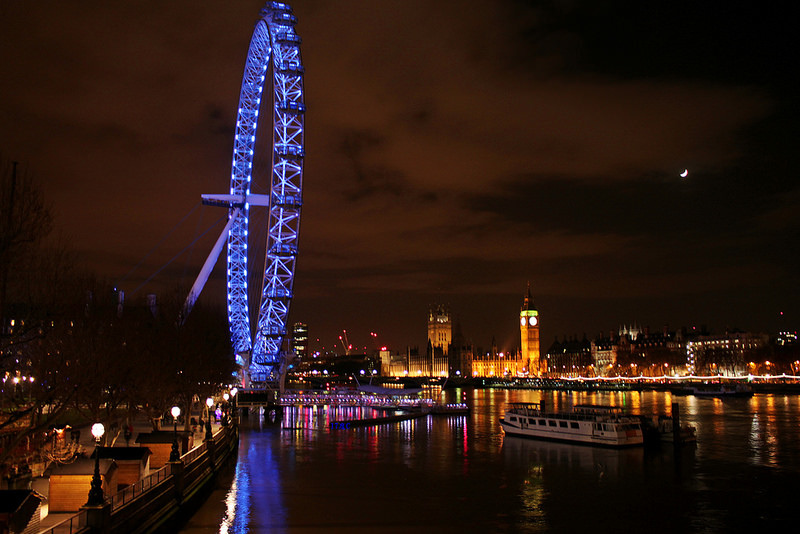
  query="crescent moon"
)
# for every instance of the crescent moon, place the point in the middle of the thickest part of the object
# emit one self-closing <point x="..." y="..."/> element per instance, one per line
<point x="685" y="173"/>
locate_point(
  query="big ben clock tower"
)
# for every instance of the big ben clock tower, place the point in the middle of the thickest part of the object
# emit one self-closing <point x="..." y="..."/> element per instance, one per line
<point x="529" y="334"/>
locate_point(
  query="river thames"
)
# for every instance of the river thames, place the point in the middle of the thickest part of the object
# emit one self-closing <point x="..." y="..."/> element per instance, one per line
<point x="461" y="474"/>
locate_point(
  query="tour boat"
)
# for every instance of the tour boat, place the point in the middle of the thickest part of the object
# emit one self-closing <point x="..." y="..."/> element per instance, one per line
<point x="588" y="424"/>
<point x="715" y="390"/>
<point x="722" y="390"/>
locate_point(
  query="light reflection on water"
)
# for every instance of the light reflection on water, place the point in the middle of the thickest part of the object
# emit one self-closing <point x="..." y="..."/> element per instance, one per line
<point x="244" y="496"/>
<point x="460" y="473"/>
<point x="237" y="503"/>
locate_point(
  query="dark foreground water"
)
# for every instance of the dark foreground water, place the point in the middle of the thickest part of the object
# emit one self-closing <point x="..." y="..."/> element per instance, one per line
<point x="461" y="474"/>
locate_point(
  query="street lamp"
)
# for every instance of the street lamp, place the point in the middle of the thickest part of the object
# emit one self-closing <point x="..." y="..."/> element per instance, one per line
<point x="209" y="404"/>
<point x="174" y="455"/>
<point x="96" y="497"/>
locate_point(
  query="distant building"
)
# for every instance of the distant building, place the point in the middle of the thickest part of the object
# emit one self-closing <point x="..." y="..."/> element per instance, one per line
<point x="299" y="340"/>
<point x="604" y="355"/>
<point x="393" y="364"/>
<point x="433" y="363"/>
<point x="496" y="363"/>
<point x="635" y="351"/>
<point x="571" y="357"/>
<point x="734" y="353"/>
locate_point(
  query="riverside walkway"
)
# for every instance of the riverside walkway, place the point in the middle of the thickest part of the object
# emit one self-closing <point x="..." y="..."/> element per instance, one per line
<point x="157" y="500"/>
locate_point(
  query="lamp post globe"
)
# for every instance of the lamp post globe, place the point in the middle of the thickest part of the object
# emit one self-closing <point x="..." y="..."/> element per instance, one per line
<point x="96" y="497"/>
<point x="98" y="430"/>
<point x="174" y="455"/>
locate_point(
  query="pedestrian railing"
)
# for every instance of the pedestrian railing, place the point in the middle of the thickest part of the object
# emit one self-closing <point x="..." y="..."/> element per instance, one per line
<point x="131" y="492"/>
<point x="193" y="454"/>
<point x="70" y="525"/>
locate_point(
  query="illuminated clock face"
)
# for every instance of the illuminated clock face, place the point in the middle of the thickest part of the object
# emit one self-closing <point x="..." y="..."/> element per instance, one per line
<point x="522" y="321"/>
<point x="533" y="321"/>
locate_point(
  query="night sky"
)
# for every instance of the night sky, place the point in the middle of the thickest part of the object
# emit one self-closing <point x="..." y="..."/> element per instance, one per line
<point x="455" y="151"/>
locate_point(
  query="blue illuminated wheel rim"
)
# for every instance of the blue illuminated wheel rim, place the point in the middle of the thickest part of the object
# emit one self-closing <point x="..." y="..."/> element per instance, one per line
<point x="274" y="41"/>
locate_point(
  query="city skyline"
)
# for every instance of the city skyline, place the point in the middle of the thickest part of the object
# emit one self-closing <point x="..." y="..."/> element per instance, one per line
<point x="455" y="153"/>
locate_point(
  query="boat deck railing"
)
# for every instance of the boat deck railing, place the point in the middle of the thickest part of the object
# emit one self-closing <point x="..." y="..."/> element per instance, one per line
<point x="582" y="412"/>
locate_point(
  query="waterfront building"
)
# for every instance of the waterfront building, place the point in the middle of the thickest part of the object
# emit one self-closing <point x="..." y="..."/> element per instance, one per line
<point x="571" y="357"/>
<point x="604" y="354"/>
<point x="433" y="363"/>
<point x="635" y="351"/>
<point x="496" y="363"/>
<point x="786" y="338"/>
<point x="529" y="323"/>
<point x="734" y="353"/>
<point x="786" y="351"/>
<point x="393" y="364"/>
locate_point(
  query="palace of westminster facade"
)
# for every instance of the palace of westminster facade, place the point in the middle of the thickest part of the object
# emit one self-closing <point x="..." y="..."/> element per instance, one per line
<point x="448" y="353"/>
<point x="632" y="351"/>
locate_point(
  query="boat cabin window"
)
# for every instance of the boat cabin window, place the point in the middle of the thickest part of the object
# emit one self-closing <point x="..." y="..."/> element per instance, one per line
<point x="551" y="423"/>
<point x="573" y="424"/>
<point x="531" y="421"/>
<point x="562" y="424"/>
<point x="542" y="422"/>
<point x="513" y="419"/>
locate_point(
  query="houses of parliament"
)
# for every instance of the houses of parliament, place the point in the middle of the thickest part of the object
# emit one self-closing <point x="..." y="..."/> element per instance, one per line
<point x="448" y="353"/>
<point x="632" y="351"/>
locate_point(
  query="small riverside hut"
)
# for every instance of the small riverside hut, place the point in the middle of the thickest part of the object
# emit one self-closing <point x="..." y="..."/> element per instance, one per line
<point x="20" y="511"/>
<point x="70" y="484"/>
<point x="160" y="445"/>
<point x="133" y="463"/>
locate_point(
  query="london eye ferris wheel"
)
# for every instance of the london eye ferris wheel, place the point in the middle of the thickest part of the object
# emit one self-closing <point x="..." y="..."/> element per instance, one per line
<point x="273" y="62"/>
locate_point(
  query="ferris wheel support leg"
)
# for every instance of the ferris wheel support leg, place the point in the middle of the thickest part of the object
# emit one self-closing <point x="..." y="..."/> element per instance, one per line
<point x="208" y="266"/>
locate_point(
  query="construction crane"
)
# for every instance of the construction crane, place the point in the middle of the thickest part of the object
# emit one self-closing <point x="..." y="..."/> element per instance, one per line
<point x="345" y="343"/>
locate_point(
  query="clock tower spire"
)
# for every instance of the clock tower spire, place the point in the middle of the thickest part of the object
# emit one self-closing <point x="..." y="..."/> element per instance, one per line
<point x="529" y="334"/>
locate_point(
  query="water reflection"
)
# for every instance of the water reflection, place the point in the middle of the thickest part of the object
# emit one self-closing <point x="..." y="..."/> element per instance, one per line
<point x="601" y="462"/>
<point x="461" y="474"/>
<point x="255" y="497"/>
<point x="237" y="503"/>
